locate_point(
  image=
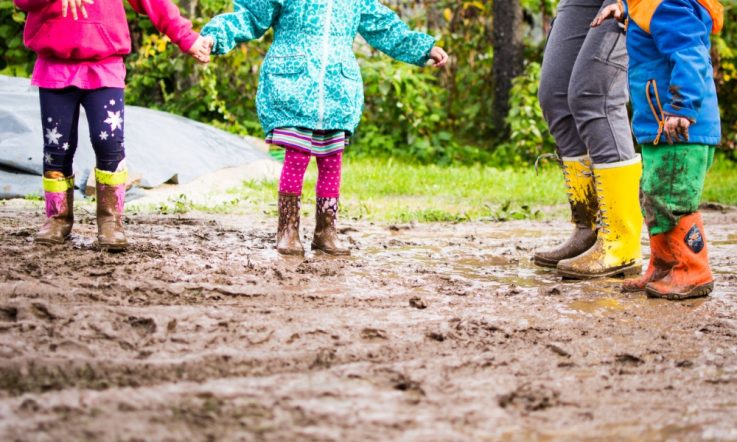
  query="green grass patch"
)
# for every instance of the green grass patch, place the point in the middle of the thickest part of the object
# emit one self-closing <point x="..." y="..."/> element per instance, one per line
<point x="721" y="182"/>
<point x="395" y="191"/>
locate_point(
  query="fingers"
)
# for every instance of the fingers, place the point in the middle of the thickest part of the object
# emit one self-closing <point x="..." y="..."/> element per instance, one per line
<point x="439" y="57"/>
<point x="201" y="49"/>
<point x="82" y="9"/>
<point x="73" y="7"/>
<point x="64" y="7"/>
<point x="676" y="130"/>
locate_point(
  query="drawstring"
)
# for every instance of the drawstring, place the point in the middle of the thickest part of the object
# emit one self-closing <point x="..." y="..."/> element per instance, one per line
<point x="660" y="118"/>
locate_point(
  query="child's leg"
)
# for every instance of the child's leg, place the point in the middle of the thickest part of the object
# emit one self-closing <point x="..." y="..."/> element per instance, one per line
<point x="672" y="187"/>
<point x="105" y="114"/>
<point x="60" y="117"/>
<point x="293" y="171"/>
<point x="290" y="202"/>
<point x="329" y="175"/>
<point x="328" y="193"/>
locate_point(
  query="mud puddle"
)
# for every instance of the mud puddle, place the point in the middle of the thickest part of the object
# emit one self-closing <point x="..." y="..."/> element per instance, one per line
<point x="428" y="332"/>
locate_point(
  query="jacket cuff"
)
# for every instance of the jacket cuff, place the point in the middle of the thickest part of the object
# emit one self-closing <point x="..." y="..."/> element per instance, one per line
<point x="186" y="43"/>
<point x="428" y="43"/>
<point x="690" y="114"/>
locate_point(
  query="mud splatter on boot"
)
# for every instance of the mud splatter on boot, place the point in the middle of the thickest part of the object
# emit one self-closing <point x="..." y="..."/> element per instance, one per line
<point x="660" y="264"/>
<point x="59" y="196"/>
<point x="690" y="275"/>
<point x="579" y="181"/>
<point x="110" y="194"/>
<point x="287" y="236"/>
<point x="326" y="233"/>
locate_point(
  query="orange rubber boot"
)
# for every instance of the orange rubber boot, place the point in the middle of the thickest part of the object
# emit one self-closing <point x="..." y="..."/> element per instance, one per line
<point x="660" y="264"/>
<point x="690" y="276"/>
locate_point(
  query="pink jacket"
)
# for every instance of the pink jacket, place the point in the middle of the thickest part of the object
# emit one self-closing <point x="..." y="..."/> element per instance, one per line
<point x="103" y="34"/>
<point x="88" y="53"/>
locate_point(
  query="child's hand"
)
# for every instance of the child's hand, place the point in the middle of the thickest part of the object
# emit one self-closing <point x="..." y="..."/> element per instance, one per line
<point x="676" y="129"/>
<point x="74" y="5"/>
<point x="610" y="11"/>
<point x="201" y="49"/>
<point x="439" y="57"/>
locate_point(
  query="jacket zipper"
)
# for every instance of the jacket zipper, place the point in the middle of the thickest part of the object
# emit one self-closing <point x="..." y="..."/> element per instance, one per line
<point x="324" y="68"/>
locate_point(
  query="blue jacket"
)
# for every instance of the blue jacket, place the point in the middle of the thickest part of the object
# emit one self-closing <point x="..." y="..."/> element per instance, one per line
<point x="670" y="70"/>
<point x="310" y="77"/>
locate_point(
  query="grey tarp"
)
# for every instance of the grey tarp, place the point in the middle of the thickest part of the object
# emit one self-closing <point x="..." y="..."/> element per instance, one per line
<point x="159" y="146"/>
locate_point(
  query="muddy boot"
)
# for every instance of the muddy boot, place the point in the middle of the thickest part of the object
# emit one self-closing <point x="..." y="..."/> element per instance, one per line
<point x="59" y="196"/>
<point x="110" y="207"/>
<point x="326" y="234"/>
<point x="690" y="276"/>
<point x="579" y="180"/>
<point x="617" y="250"/>
<point x="287" y="235"/>
<point x="658" y="267"/>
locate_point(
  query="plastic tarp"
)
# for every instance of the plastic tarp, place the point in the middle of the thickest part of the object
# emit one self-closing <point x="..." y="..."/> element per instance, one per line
<point x="160" y="147"/>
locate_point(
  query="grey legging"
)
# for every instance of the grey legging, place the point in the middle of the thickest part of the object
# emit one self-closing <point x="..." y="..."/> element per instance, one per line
<point x="583" y="90"/>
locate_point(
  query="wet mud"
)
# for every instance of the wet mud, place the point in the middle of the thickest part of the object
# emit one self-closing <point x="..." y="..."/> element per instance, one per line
<point x="428" y="332"/>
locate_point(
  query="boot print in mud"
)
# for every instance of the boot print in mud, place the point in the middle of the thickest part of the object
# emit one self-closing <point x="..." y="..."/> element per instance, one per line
<point x="287" y="235"/>
<point x="326" y="234"/>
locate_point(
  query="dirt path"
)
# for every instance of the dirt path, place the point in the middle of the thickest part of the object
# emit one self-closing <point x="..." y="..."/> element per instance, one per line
<point x="432" y="333"/>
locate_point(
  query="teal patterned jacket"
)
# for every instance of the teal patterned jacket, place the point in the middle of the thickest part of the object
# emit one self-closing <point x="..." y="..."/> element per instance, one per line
<point x="310" y="77"/>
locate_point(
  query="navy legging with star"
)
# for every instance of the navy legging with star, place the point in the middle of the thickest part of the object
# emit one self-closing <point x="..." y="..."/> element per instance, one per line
<point x="60" y="110"/>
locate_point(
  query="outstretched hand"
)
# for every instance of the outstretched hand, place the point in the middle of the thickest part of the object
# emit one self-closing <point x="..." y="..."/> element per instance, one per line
<point x="75" y="5"/>
<point x="611" y="11"/>
<point x="201" y="49"/>
<point x="439" y="57"/>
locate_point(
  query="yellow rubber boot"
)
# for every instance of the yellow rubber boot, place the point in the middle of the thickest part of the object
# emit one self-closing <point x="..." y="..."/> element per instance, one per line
<point x="617" y="251"/>
<point x="581" y="190"/>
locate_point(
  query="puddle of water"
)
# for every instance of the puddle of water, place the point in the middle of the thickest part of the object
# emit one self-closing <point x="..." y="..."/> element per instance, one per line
<point x="597" y="306"/>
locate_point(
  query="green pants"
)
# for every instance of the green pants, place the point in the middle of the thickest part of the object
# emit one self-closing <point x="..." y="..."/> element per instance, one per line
<point x="672" y="182"/>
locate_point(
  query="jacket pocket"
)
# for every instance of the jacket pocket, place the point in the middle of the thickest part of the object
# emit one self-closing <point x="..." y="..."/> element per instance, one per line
<point x="613" y="47"/>
<point x="349" y="72"/>
<point x="286" y="77"/>
<point x="72" y="40"/>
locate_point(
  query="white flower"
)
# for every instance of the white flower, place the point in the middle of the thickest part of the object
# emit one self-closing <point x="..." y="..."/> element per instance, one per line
<point x="47" y="158"/>
<point x="112" y="102"/>
<point x="52" y="135"/>
<point x="65" y="146"/>
<point x="103" y="135"/>
<point x="114" y="120"/>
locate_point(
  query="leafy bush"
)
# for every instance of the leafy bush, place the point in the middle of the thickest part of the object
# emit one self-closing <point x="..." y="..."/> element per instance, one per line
<point x="410" y="113"/>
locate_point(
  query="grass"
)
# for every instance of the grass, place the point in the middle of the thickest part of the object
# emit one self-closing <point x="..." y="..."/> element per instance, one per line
<point x="386" y="190"/>
<point x="721" y="183"/>
<point x="392" y="191"/>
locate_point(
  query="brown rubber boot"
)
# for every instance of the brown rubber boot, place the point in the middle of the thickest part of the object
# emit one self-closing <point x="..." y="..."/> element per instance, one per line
<point x="287" y="235"/>
<point x="59" y="197"/>
<point x="326" y="234"/>
<point x="110" y="207"/>
<point x="579" y="181"/>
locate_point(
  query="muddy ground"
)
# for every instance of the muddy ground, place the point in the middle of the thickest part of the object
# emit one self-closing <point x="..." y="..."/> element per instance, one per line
<point x="428" y="333"/>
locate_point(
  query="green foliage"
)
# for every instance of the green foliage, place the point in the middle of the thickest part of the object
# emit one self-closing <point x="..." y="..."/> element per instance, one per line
<point x="15" y="59"/>
<point x="425" y="115"/>
<point x="529" y="134"/>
